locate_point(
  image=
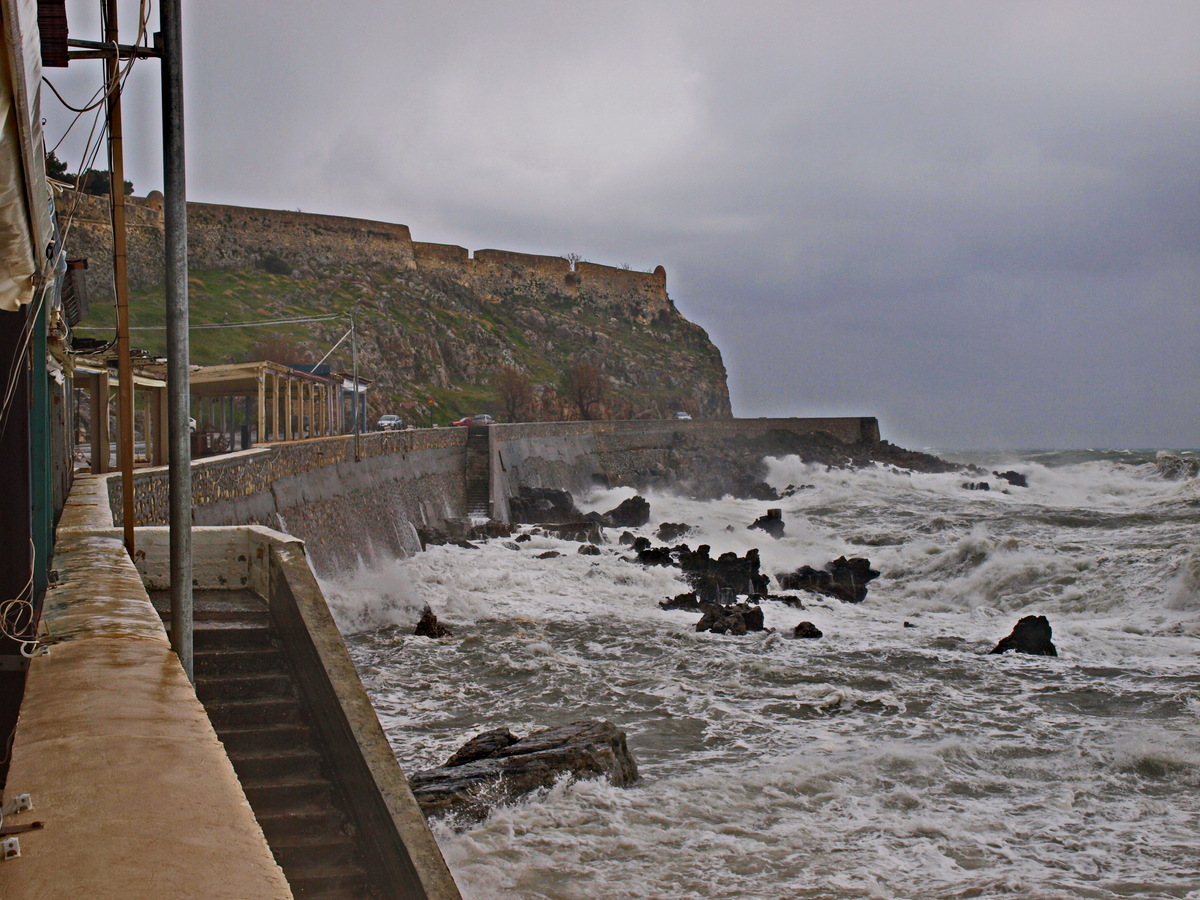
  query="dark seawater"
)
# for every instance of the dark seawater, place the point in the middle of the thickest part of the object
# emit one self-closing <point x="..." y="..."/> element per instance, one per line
<point x="881" y="761"/>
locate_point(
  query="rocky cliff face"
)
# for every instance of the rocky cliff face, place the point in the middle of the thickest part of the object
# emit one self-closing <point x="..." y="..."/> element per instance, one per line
<point x="435" y="324"/>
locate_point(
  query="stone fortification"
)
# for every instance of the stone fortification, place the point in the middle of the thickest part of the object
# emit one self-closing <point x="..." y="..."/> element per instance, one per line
<point x="436" y="322"/>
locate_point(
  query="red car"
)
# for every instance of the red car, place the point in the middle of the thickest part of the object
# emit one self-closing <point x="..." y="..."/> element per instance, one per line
<point x="465" y="420"/>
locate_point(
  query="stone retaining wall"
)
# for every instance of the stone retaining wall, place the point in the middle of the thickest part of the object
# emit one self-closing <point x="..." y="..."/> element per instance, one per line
<point x="347" y="510"/>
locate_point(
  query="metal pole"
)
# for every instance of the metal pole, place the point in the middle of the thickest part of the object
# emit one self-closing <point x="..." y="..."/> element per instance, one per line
<point x="178" y="350"/>
<point x="356" y="404"/>
<point x="116" y="179"/>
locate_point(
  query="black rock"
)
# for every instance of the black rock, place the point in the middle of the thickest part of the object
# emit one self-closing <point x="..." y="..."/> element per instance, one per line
<point x="549" y="554"/>
<point x="1016" y="479"/>
<point x="771" y="523"/>
<point x="631" y="513"/>
<point x="500" y="769"/>
<point x="976" y="486"/>
<point x="845" y="579"/>
<point x="641" y="543"/>
<point x="1031" y="634"/>
<point x="735" y="618"/>
<point x="688" y="601"/>
<point x="481" y="746"/>
<point x="589" y="550"/>
<point x="575" y="531"/>
<point x="807" y="630"/>
<point x="523" y="538"/>
<point x="626" y="538"/>
<point x="429" y="626"/>
<point x="672" y="531"/>
<point x="538" y="505"/>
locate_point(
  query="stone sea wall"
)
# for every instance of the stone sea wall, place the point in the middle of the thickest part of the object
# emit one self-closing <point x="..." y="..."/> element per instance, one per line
<point x="347" y="510"/>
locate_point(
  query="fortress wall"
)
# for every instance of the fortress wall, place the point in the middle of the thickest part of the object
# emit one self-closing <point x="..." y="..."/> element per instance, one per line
<point x="614" y="280"/>
<point x="506" y="266"/>
<point x="431" y="256"/>
<point x="225" y="237"/>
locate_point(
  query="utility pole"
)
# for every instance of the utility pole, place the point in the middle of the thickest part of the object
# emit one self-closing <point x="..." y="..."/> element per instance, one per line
<point x="178" y="346"/>
<point x="116" y="185"/>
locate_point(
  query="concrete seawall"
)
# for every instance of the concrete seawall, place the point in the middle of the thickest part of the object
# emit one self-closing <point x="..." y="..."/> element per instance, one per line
<point x="347" y="510"/>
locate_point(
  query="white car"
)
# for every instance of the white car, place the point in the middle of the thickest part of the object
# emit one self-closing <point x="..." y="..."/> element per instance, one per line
<point x="390" y="423"/>
<point x="682" y="416"/>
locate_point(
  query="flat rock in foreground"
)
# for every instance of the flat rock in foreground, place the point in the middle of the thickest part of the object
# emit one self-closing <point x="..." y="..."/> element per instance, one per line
<point x="495" y="767"/>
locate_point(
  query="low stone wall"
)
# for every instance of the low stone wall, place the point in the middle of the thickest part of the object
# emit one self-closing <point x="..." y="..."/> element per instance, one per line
<point x="343" y="509"/>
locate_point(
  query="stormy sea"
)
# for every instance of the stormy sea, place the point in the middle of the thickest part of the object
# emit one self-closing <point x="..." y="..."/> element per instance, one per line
<point x="893" y="757"/>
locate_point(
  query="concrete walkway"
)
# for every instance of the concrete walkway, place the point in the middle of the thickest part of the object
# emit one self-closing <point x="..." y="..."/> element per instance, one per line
<point x="136" y="795"/>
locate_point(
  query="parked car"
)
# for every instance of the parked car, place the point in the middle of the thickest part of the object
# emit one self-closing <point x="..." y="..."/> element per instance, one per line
<point x="390" y="423"/>
<point x="465" y="420"/>
<point x="477" y="419"/>
<point x="682" y="416"/>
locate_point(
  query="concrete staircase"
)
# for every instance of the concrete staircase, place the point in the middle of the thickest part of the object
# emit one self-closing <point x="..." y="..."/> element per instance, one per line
<point x="244" y="681"/>
<point x="478" y="473"/>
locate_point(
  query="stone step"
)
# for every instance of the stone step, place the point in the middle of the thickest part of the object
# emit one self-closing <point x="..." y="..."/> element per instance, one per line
<point x="280" y="824"/>
<point x="263" y="739"/>
<point x="231" y="636"/>
<point x="256" y="764"/>
<point x="261" y="711"/>
<point x="220" y="688"/>
<point x="288" y="792"/>
<point x="212" y="662"/>
<point x="331" y="883"/>
<point x="305" y="853"/>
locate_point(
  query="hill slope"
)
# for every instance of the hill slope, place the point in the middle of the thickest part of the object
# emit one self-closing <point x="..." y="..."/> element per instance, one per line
<point x="434" y="323"/>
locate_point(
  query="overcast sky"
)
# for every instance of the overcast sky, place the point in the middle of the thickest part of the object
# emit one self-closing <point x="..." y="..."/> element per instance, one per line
<point x="979" y="222"/>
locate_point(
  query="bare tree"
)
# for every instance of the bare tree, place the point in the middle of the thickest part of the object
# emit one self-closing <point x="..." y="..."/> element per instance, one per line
<point x="584" y="385"/>
<point x="514" y="390"/>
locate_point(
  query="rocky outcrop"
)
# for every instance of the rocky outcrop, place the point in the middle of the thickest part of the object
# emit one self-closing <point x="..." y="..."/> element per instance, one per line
<point x="543" y="505"/>
<point x="845" y="579"/>
<point x="807" y="630"/>
<point x="734" y="618"/>
<point x="631" y="513"/>
<point x="497" y="767"/>
<point x="429" y="626"/>
<point x="1031" y="634"/>
<point x="771" y="523"/>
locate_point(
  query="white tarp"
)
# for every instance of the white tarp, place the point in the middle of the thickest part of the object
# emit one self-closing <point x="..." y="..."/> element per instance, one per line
<point x="26" y="229"/>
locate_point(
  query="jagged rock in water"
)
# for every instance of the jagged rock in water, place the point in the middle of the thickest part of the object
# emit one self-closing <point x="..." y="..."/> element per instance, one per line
<point x="523" y="538"/>
<point x="793" y="489"/>
<point x="715" y="580"/>
<point x="641" y="543"/>
<point x="1031" y="634"/>
<point x="976" y="486"/>
<point x="1016" y="479"/>
<point x="688" y="601"/>
<point x="589" y="550"/>
<point x="481" y="747"/>
<point x="493" y="770"/>
<point x="626" y="538"/>
<point x="429" y="626"/>
<point x="785" y="599"/>
<point x="631" y="513"/>
<point x="549" y="554"/>
<point x="672" y="531"/>
<point x="735" y="618"/>
<point x="807" y="630"/>
<point x="575" y="531"/>
<point x="771" y="523"/>
<point x="845" y="579"/>
<point x="542" y="505"/>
